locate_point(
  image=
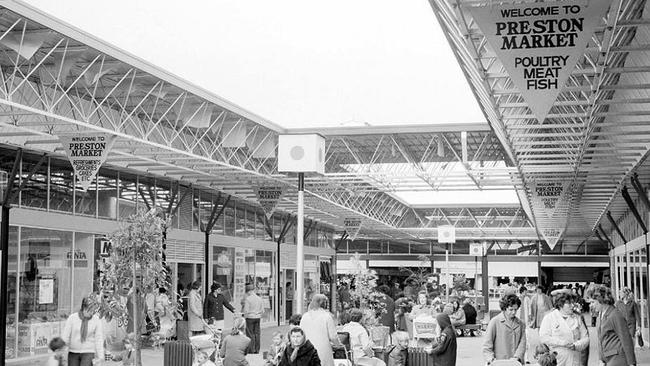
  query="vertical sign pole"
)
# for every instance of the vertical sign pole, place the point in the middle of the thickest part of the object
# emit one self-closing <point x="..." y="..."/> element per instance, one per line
<point x="300" y="255"/>
<point x="448" y="282"/>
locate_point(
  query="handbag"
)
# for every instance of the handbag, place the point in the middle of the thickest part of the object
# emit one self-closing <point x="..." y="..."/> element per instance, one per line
<point x="639" y="339"/>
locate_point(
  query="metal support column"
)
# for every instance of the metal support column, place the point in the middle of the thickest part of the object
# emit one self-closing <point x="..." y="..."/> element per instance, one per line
<point x="615" y="226"/>
<point x="214" y="216"/>
<point x="632" y="207"/>
<point x="300" y="249"/>
<point x="485" y="283"/>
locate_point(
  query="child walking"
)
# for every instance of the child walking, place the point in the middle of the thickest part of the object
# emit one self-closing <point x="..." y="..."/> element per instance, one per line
<point x="57" y="346"/>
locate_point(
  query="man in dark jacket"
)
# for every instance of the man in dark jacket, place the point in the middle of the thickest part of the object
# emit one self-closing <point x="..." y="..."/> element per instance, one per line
<point x="387" y="318"/>
<point x="213" y="306"/>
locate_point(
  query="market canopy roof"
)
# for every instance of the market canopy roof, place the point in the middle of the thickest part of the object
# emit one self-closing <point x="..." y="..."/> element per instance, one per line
<point x="595" y="136"/>
<point x="59" y="80"/>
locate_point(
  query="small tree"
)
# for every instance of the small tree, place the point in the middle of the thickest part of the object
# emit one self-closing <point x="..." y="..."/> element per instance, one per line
<point x="460" y="284"/>
<point x="422" y="275"/>
<point x="134" y="267"/>
<point x="362" y="283"/>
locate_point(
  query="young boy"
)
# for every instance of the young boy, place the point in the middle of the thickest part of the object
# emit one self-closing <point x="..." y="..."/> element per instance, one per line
<point x="57" y="346"/>
<point x="276" y="349"/>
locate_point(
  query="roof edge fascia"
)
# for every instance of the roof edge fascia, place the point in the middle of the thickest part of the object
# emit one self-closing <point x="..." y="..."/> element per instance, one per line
<point x="393" y="129"/>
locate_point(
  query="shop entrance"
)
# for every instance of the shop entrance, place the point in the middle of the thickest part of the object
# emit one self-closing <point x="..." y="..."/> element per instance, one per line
<point x="183" y="275"/>
<point x="287" y="281"/>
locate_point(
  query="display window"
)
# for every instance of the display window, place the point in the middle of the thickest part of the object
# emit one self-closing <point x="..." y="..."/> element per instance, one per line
<point x="223" y="270"/>
<point x="48" y="277"/>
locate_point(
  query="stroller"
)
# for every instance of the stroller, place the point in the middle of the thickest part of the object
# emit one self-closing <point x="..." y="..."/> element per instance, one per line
<point x="343" y="354"/>
<point x="208" y="343"/>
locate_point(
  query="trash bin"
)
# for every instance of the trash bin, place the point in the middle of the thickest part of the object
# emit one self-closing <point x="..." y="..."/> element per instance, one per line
<point x="177" y="354"/>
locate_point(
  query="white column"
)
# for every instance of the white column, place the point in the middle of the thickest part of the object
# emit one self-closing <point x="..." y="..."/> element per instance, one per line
<point x="300" y="249"/>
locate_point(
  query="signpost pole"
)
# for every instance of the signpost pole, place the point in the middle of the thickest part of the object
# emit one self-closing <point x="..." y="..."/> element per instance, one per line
<point x="448" y="282"/>
<point x="300" y="255"/>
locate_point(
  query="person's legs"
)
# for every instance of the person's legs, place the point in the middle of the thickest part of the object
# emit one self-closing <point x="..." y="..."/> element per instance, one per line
<point x="257" y="335"/>
<point x="250" y="334"/>
<point x="74" y="359"/>
<point x="86" y="359"/>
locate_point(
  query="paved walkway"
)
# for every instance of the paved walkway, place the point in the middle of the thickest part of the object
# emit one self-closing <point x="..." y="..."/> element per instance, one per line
<point x="469" y="352"/>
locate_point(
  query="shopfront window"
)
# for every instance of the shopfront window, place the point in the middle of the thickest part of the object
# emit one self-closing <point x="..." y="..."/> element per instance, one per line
<point x="264" y="282"/>
<point x="61" y="186"/>
<point x="311" y="278"/>
<point x="107" y="194"/>
<point x="34" y="194"/>
<point x="128" y="195"/>
<point x="223" y="271"/>
<point x="44" y="292"/>
<point x="12" y="283"/>
<point x="86" y="201"/>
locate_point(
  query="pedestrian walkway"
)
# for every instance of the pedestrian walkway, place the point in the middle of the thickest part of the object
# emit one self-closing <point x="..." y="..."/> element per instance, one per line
<point x="469" y="351"/>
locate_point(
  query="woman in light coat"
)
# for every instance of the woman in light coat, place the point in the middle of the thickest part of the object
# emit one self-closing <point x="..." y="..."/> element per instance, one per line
<point x="195" y="310"/>
<point x="320" y="329"/>
<point x="563" y="332"/>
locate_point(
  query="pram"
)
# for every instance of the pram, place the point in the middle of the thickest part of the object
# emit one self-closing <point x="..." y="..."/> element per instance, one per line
<point x="208" y="342"/>
<point x="343" y="354"/>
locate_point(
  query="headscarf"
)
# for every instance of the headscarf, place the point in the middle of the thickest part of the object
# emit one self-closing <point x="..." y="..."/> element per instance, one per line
<point x="294" y="353"/>
<point x="443" y="321"/>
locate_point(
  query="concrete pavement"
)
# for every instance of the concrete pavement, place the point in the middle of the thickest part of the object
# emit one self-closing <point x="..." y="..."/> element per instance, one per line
<point x="469" y="352"/>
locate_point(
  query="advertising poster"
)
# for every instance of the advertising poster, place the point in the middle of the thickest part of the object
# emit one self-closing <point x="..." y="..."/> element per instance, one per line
<point x="539" y="43"/>
<point x="45" y="290"/>
<point x="352" y="226"/>
<point x="86" y="152"/>
<point x="268" y="197"/>
<point x="240" y="275"/>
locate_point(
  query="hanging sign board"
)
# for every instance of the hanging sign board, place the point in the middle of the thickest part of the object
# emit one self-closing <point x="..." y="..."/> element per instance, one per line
<point x="548" y="196"/>
<point x="552" y="236"/>
<point x="540" y="43"/>
<point x="446" y="234"/>
<point x="268" y="197"/>
<point x="476" y="249"/>
<point x="550" y="202"/>
<point x="425" y="327"/>
<point x="352" y="227"/>
<point x="87" y="152"/>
